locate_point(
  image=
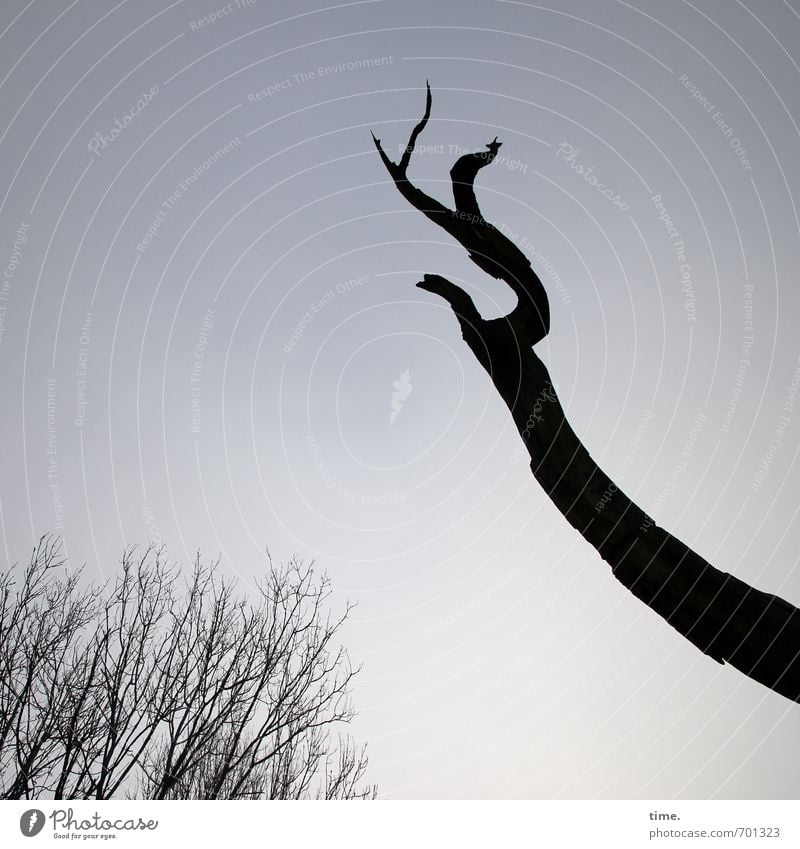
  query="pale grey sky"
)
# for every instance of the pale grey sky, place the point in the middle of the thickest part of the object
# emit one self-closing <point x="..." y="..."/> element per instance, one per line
<point x="210" y="337"/>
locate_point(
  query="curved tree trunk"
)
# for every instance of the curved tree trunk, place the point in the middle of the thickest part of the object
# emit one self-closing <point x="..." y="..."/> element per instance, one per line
<point x="724" y="617"/>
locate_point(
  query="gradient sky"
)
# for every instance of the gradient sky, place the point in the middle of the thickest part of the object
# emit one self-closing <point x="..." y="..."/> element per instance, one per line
<point x="205" y="307"/>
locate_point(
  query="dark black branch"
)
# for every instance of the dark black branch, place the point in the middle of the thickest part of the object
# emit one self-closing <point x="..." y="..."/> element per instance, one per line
<point x="488" y="248"/>
<point x="412" y="139"/>
<point x="724" y="617"/>
<point x="463" y="175"/>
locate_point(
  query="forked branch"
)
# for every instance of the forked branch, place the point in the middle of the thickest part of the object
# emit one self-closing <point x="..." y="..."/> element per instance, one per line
<point x="487" y="246"/>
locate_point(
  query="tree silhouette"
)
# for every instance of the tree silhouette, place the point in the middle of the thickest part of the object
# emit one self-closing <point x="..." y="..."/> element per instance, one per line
<point x="151" y="690"/>
<point x="724" y="617"/>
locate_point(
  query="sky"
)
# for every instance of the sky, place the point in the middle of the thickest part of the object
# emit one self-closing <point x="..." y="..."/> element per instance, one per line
<point x="210" y="339"/>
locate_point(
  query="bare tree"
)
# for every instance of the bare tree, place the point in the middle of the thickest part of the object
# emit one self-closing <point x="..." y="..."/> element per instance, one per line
<point x="724" y="617"/>
<point x="148" y="688"/>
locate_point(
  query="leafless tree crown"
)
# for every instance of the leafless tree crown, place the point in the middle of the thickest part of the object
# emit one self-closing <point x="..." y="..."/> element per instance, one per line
<point x="155" y="687"/>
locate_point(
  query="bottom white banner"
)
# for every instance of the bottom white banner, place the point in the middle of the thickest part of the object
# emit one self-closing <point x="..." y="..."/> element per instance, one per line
<point x="551" y="824"/>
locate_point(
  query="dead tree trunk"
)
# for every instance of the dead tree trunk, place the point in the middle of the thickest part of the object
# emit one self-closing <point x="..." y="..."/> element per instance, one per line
<point x="724" y="617"/>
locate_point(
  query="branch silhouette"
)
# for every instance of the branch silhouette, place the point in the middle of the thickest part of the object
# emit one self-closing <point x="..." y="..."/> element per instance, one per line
<point x="730" y="621"/>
